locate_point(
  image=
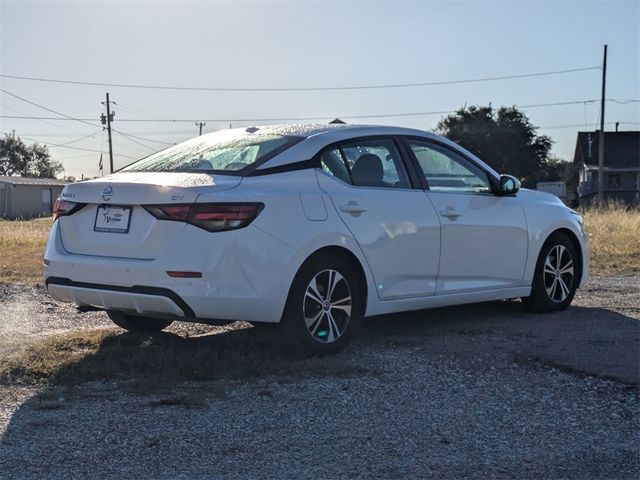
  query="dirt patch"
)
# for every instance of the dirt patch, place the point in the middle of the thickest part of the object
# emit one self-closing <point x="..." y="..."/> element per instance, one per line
<point x="480" y="391"/>
<point x="160" y="359"/>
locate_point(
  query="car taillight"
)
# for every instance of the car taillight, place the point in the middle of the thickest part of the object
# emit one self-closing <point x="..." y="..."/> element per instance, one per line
<point x="212" y="217"/>
<point x="62" y="208"/>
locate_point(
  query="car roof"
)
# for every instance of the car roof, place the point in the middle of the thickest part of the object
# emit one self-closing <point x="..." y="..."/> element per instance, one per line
<point x="318" y="136"/>
<point x="330" y="130"/>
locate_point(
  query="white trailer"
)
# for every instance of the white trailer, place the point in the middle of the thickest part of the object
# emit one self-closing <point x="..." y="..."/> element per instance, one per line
<point x="559" y="189"/>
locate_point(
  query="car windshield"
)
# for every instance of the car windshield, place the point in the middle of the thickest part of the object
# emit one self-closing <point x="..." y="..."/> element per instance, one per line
<point x="221" y="152"/>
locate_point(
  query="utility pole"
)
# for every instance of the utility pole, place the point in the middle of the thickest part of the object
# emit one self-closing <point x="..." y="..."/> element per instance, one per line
<point x="200" y="124"/>
<point x="108" y="119"/>
<point x="601" y="136"/>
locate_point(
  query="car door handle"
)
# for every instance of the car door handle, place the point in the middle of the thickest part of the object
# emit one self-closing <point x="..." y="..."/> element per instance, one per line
<point x="352" y="208"/>
<point x="452" y="214"/>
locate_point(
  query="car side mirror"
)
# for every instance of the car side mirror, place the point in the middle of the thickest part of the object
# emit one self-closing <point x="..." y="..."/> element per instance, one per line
<point x="509" y="185"/>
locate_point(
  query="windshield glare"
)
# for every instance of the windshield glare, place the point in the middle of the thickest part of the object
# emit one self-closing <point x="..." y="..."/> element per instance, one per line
<point x="218" y="152"/>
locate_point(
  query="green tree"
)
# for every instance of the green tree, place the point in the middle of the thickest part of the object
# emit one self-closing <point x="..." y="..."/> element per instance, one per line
<point x="504" y="138"/>
<point x="556" y="169"/>
<point x="17" y="158"/>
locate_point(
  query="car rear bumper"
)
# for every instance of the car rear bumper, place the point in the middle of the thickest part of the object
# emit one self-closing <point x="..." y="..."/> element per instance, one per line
<point x="138" y="299"/>
<point x="246" y="276"/>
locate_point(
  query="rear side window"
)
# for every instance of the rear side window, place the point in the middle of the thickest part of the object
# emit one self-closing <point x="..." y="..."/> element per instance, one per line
<point x="331" y="162"/>
<point x="221" y="152"/>
<point x="366" y="163"/>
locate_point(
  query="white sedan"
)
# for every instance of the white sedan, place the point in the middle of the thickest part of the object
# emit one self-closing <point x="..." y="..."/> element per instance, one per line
<point x="311" y="228"/>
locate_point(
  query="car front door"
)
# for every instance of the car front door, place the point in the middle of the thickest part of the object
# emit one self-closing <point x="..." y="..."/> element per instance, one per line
<point x="396" y="227"/>
<point x="484" y="236"/>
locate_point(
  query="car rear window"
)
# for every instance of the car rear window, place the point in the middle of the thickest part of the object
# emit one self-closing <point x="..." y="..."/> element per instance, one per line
<point x="230" y="152"/>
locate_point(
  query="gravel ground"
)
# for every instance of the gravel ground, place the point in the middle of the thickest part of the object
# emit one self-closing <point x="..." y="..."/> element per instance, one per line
<point x="483" y="391"/>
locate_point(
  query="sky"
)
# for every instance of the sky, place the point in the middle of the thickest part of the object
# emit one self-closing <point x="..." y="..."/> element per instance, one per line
<point x="304" y="44"/>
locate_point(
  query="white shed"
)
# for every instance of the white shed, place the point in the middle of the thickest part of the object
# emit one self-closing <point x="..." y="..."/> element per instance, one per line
<point x="23" y="197"/>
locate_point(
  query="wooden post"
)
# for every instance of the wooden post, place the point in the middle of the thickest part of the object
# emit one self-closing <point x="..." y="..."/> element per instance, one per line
<point x="601" y="137"/>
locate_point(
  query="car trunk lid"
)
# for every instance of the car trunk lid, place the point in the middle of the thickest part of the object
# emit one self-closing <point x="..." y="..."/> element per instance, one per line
<point x="113" y="223"/>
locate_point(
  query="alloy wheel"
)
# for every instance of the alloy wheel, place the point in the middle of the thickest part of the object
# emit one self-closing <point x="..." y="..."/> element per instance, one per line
<point x="327" y="306"/>
<point x="558" y="273"/>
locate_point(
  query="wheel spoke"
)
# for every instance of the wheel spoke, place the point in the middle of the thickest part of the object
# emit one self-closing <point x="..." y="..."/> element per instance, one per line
<point x="310" y="321"/>
<point x="313" y="293"/>
<point x="334" y="279"/>
<point x="555" y="288"/>
<point x="568" y="268"/>
<point x="548" y="267"/>
<point x="343" y="304"/>
<point x="551" y="291"/>
<point x="315" y="327"/>
<point x="313" y="297"/>
<point x="344" y="308"/>
<point x="564" y="290"/>
<point x="560" y="250"/>
<point x="334" y="332"/>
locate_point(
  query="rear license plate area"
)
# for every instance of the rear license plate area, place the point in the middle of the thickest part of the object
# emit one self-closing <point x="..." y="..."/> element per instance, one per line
<point x="112" y="219"/>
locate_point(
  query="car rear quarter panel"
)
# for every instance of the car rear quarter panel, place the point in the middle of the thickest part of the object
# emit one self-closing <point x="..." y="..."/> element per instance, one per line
<point x="297" y="214"/>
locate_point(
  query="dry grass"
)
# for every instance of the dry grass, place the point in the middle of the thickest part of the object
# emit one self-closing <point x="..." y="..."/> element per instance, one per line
<point x="21" y="248"/>
<point x="614" y="236"/>
<point x="613" y="229"/>
<point x="152" y="362"/>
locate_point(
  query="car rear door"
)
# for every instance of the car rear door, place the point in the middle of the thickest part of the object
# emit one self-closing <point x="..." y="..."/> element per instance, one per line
<point x="390" y="218"/>
<point x="484" y="236"/>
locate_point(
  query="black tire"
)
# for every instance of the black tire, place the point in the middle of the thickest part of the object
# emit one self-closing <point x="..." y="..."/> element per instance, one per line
<point x="133" y="323"/>
<point x="319" y="337"/>
<point x="545" y="297"/>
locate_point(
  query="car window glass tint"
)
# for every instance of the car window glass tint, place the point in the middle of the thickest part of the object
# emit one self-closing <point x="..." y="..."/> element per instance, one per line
<point x="446" y="171"/>
<point x="331" y="162"/>
<point x="225" y="151"/>
<point x="370" y="163"/>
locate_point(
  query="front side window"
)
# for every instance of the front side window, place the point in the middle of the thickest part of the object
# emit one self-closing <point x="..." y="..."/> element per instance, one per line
<point x="447" y="171"/>
<point x="366" y="163"/>
<point x="225" y="152"/>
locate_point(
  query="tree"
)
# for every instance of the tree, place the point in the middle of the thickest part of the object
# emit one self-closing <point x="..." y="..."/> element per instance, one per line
<point x="16" y="158"/>
<point x="503" y="138"/>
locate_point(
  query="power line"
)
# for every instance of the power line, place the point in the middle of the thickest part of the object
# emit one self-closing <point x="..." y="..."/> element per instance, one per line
<point x="142" y="138"/>
<point x="142" y="112"/>
<point x="319" y="117"/>
<point x="65" y="145"/>
<point x="79" y="139"/>
<point x="582" y="125"/>
<point x="302" y="89"/>
<point x="69" y="117"/>
<point x="47" y="109"/>
<point x="73" y="157"/>
<point x="45" y="134"/>
<point x="44" y="121"/>
<point x="74" y="148"/>
<point x="127" y="137"/>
